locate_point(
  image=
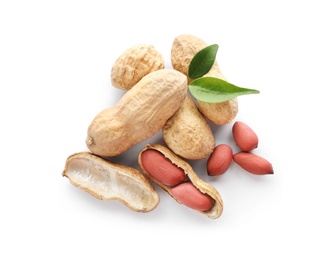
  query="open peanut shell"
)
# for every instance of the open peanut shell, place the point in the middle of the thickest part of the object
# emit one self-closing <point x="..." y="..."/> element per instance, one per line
<point x="110" y="181"/>
<point x="204" y="187"/>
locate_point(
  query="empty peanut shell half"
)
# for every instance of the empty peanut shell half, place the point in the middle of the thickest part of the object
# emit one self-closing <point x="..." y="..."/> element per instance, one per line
<point x="110" y="181"/>
<point x="164" y="165"/>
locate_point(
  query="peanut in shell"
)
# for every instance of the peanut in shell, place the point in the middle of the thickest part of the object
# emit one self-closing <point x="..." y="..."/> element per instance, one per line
<point x="133" y="64"/>
<point x="188" y="134"/>
<point x="139" y="114"/>
<point x="204" y="187"/>
<point x="184" y="48"/>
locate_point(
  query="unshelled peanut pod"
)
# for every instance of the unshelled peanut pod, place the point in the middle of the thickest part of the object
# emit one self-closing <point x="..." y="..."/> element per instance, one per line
<point x="139" y="114"/>
<point x="253" y="163"/>
<point x="184" y="48"/>
<point x="220" y="160"/>
<point x="244" y="136"/>
<point x="188" y="134"/>
<point x="133" y="64"/>
<point x="209" y="200"/>
<point x="106" y="180"/>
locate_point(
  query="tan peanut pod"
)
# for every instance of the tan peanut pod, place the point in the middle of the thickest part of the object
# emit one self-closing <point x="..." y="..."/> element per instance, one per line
<point x="188" y="134"/>
<point x="133" y="64"/>
<point x="110" y="181"/>
<point x="219" y="113"/>
<point x="139" y="114"/>
<point x="183" y="50"/>
<point x="204" y="187"/>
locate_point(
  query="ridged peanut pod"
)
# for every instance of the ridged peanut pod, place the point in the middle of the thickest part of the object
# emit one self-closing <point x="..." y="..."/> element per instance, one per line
<point x="188" y="134"/>
<point x="133" y="64"/>
<point x="110" y="181"/>
<point x="139" y="114"/>
<point x="211" y="199"/>
<point x="183" y="50"/>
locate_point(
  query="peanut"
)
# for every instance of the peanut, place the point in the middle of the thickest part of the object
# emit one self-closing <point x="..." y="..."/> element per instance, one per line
<point x="134" y="64"/>
<point x="139" y="114"/>
<point x="220" y="160"/>
<point x="188" y="134"/>
<point x="161" y="168"/>
<point x="253" y="163"/>
<point x="110" y="181"/>
<point x="191" y="177"/>
<point x="183" y="50"/>
<point x="186" y="193"/>
<point x="245" y="138"/>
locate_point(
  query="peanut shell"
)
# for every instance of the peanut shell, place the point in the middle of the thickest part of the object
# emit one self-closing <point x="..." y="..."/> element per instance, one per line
<point x="201" y="185"/>
<point x="133" y="64"/>
<point x="110" y="181"/>
<point x="183" y="50"/>
<point x="188" y="134"/>
<point x="139" y="114"/>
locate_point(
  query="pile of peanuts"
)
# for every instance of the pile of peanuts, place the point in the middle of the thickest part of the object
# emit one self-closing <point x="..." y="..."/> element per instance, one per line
<point x="246" y="140"/>
<point x="156" y="100"/>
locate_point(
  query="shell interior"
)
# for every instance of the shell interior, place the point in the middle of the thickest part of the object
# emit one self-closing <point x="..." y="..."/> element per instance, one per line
<point x="109" y="183"/>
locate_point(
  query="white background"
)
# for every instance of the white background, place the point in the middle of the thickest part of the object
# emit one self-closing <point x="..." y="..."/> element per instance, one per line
<point x="55" y="61"/>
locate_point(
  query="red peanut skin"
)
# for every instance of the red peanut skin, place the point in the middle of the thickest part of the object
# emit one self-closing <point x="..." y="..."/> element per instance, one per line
<point x="244" y="136"/>
<point x="253" y="163"/>
<point x="187" y="194"/>
<point x="161" y="168"/>
<point x="219" y="160"/>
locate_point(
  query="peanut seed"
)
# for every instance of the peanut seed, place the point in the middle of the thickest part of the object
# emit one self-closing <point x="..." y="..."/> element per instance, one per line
<point x="161" y="168"/>
<point x="211" y="209"/>
<point x="186" y="193"/>
<point x="245" y="138"/>
<point x="220" y="160"/>
<point x="253" y="163"/>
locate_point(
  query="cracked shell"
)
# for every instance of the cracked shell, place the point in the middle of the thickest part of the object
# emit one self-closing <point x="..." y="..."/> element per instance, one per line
<point x="204" y="187"/>
<point x="106" y="180"/>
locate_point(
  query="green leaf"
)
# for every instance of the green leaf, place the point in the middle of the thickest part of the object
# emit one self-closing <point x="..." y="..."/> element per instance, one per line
<point x="215" y="90"/>
<point x="202" y="61"/>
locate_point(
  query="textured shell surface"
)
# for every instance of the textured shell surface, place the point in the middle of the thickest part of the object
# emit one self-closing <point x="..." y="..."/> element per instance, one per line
<point x="139" y="114"/>
<point x="219" y="113"/>
<point x="134" y="64"/>
<point x="184" y="48"/>
<point x="188" y="134"/>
